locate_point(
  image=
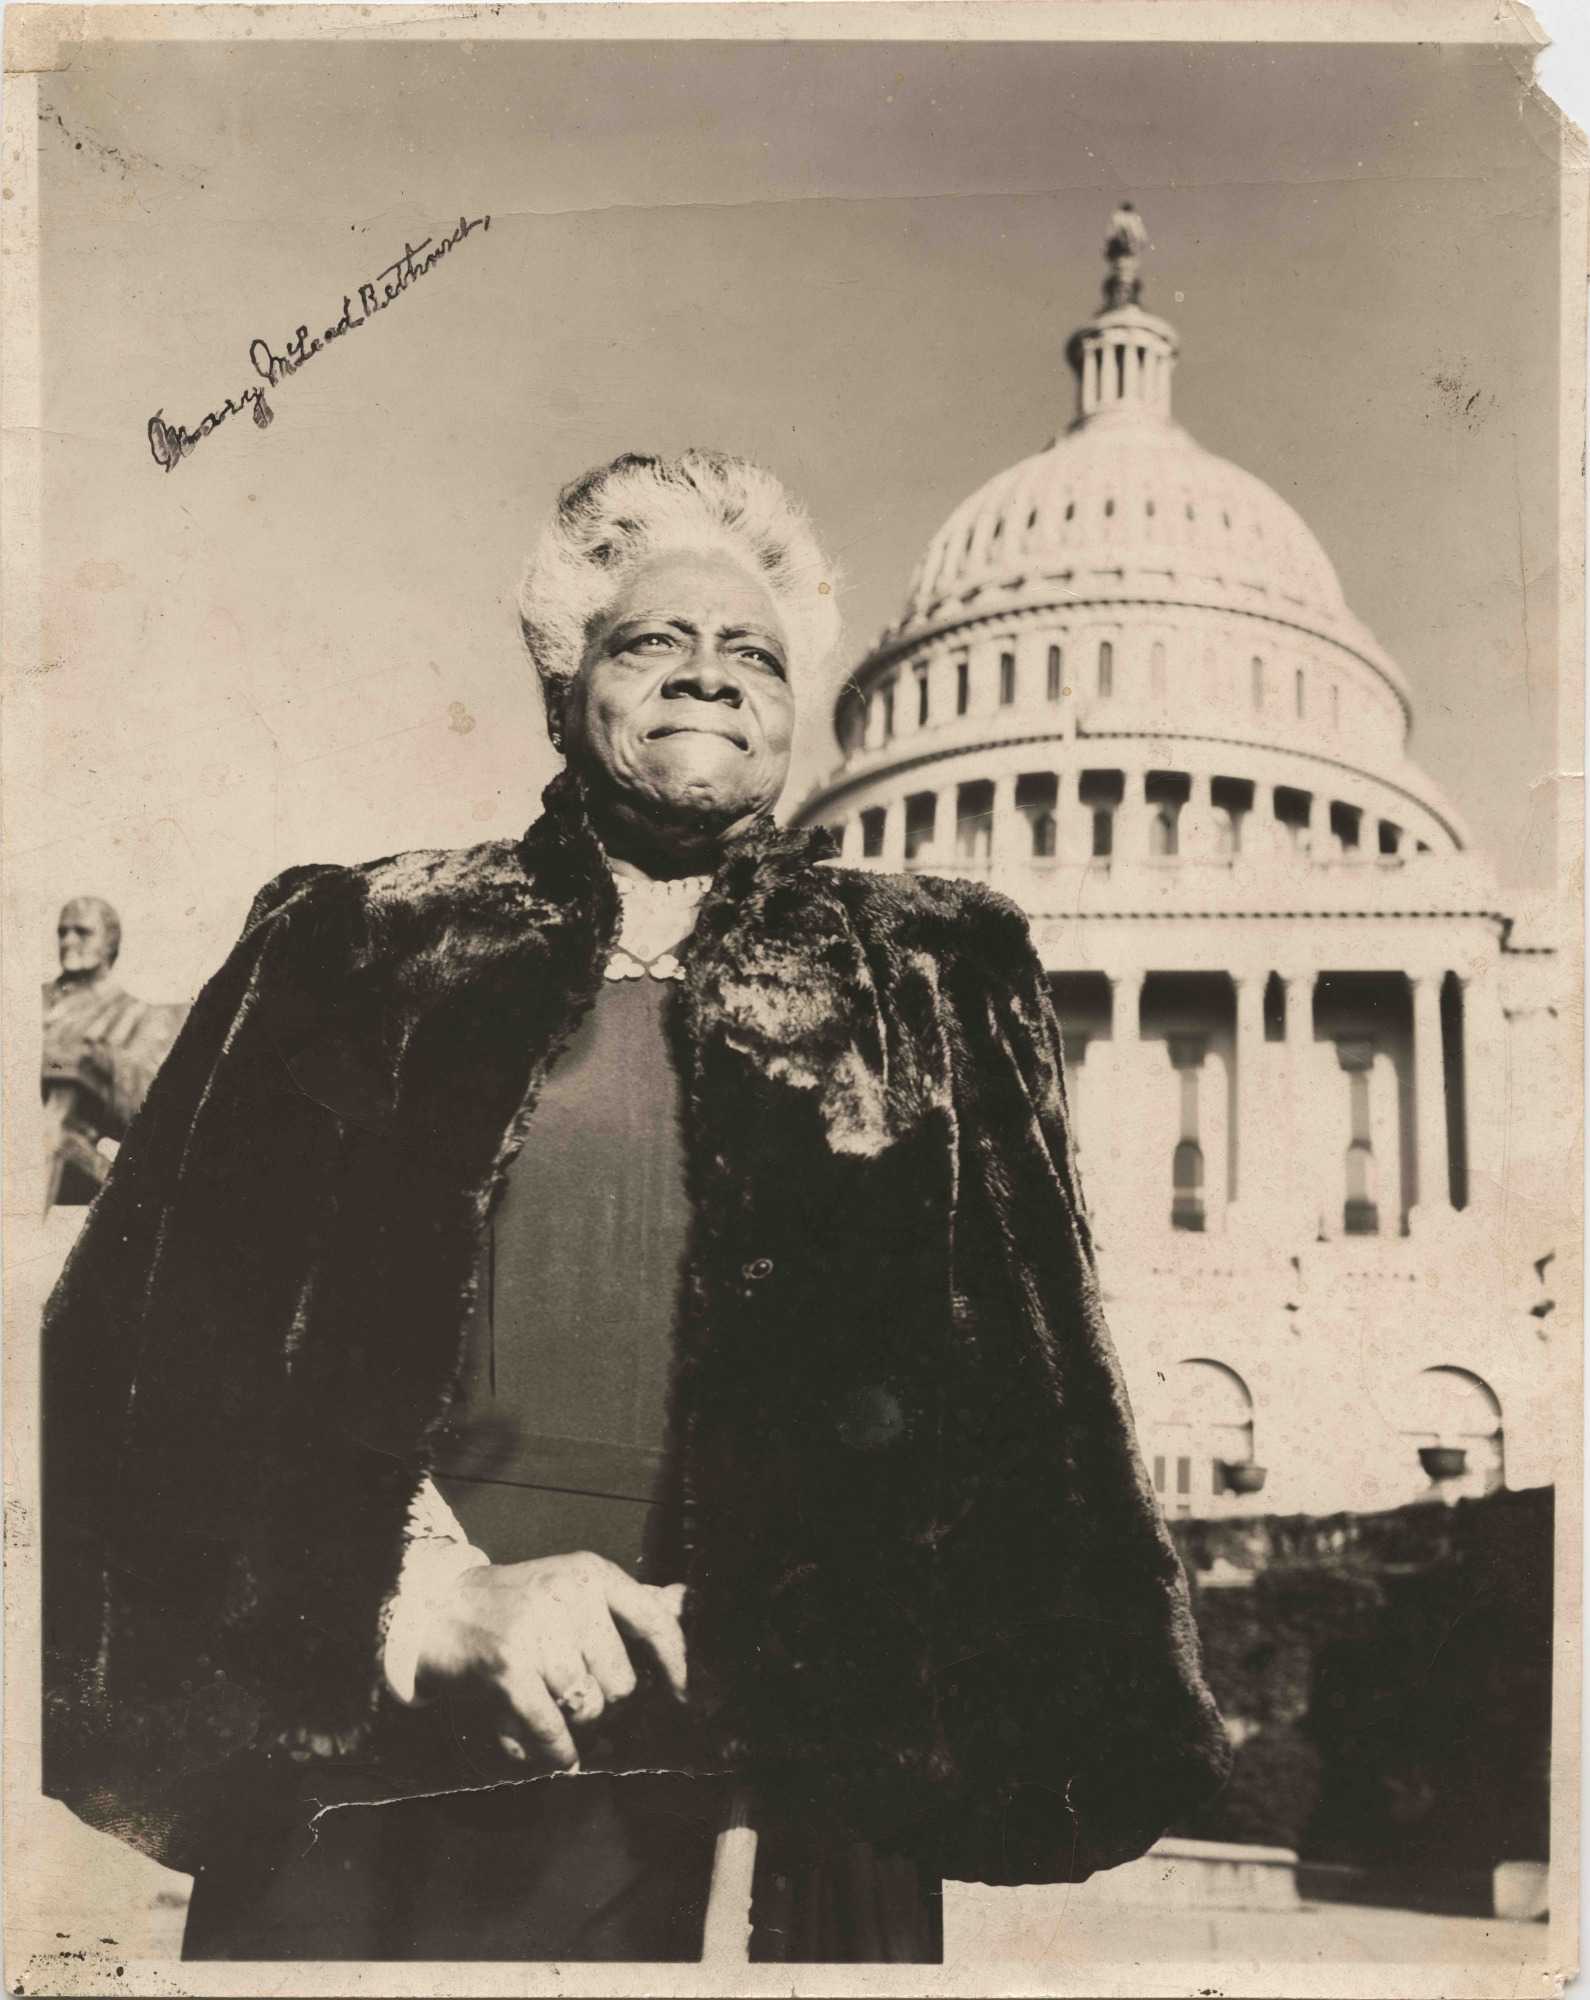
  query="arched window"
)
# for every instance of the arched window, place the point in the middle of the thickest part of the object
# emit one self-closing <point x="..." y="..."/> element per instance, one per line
<point x="1199" y="1430"/>
<point x="1106" y="667"/>
<point x="1007" y="679"/>
<point x="921" y="697"/>
<point x="1457" y="1413"/>
<point x="1054" y="674"/>
<point x="1163" y="839"/>
<point x="1256" y="673"/>
<point x="1156" y="668"/>
<point x="1336" y="706"/>
<point x="1298" y="689"/>
<point x="963" y="684"/>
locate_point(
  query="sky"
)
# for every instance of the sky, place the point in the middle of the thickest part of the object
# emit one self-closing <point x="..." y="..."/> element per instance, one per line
<point x="859" y="264"/>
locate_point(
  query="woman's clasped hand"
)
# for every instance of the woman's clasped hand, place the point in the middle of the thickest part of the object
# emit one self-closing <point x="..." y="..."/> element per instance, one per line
<point x="528" y="1649"/>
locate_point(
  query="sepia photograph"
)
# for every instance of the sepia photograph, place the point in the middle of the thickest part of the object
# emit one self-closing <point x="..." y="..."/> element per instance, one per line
<point x="793" y="1000"/>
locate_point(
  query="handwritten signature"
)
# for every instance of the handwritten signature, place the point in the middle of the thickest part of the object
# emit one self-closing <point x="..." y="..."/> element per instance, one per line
<point x="170" y="444"/>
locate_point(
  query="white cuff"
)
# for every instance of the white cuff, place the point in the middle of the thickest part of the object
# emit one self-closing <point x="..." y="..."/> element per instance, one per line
<point x="437" y="1555"/>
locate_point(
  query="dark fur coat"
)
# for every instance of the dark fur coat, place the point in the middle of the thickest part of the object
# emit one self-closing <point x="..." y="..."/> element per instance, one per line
<point x="931" y="1600"/>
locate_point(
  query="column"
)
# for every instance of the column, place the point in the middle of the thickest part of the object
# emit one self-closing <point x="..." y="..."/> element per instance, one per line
<point x="1298" y="1193"/>
<point x="1484" y="1087"/>
<point x="1116" y="1187"/>
<point x="1429" y="1099"/>
<point x="1195" y="828"/>
<point x="1258" y="1167"/>
<point x="1073" y="821"/>
<point x="1010" y="836"/>
<point x="894" y="835"/>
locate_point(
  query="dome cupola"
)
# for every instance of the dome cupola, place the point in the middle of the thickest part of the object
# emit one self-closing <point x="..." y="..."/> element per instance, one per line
<point x="1123" y="358"/>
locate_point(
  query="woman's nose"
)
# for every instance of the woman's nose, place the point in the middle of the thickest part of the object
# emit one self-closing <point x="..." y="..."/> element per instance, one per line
<point x="705" y="678"/>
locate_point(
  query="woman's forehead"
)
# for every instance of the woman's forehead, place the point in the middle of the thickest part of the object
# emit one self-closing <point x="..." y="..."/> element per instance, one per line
<point x="700" y="584"/>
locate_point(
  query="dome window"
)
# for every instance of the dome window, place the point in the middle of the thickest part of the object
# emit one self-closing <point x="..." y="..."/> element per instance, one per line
<point x="963" y="683"/>
<point x="1071" y="510"/>
<point x="1165" y="792"/>
<point x="1032" y="520"/>
<point x="1231" y="800"/>
<point x="1256" y="678"/>
<point x="1148" y="509"/>
<point x="1053" y="674"/>
<point x="873" y="822"/>
<point x="1299" y="694"/>
<point x="974" y="821"/>
<point x="1106" y="668"/>
<point x="1294" y="812"/>
<point x="1109" y="510"/>
<point x="1192" y="511"/>
<point x="922" y="702"/>
<point x="1336" y="706"/>
<point x="1007" y="679"/>
<point x="1156" y="668"/>
<point x="1101" y="793"/>
<point x="1037" y="796"/>
<point x="1346" y="826"/>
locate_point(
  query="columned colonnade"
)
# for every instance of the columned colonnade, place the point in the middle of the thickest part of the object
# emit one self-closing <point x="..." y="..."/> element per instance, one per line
<point x="1299" y="1103"/>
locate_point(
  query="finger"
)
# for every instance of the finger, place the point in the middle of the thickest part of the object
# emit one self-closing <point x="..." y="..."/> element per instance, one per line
<point x="607" y="1660"/>
<point x="542" y="1718"/>
<point x="644" y="1610"/>
<point x="584" y="1702"/>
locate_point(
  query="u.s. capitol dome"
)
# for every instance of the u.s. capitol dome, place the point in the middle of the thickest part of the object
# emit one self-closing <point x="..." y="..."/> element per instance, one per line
<point x="1126" y="688"/>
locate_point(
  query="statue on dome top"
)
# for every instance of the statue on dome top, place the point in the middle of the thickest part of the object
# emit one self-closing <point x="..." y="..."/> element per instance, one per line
<point x="1126" y="241"/>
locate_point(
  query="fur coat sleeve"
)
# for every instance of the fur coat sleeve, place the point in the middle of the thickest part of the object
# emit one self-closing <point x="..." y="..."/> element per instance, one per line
<point x="930" y="1602"/>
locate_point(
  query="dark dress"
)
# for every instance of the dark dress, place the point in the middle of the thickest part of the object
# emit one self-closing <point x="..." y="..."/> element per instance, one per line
<point x="559" y="1442"/>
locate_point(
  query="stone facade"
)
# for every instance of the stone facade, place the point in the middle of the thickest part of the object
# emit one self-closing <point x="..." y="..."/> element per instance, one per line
<point x="1302" y="1029"/>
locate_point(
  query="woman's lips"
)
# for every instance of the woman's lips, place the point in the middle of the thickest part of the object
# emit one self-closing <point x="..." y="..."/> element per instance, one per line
<point x="697" y="729"/>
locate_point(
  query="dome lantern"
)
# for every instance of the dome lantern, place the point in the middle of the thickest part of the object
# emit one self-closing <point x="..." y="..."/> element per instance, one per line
<point x="1123" y="357"/>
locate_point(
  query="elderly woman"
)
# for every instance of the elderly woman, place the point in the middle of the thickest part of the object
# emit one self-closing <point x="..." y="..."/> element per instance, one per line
<point x="593" y="1339"/>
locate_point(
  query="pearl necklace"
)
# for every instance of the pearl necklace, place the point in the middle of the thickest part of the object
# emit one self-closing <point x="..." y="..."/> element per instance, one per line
<point x="654" y="917"/>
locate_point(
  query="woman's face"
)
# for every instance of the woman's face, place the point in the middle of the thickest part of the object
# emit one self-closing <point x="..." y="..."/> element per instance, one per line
<point x="682" y="706"/>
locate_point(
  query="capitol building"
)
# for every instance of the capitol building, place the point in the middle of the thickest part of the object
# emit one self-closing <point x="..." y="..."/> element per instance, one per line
<point x="1300" y="1025"/>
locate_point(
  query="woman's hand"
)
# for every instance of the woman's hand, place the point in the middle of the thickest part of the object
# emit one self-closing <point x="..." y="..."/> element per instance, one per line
<point x="540" y="1645"/>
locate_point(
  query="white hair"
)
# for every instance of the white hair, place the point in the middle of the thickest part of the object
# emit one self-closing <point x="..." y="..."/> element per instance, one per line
<point x="618" y="516"/>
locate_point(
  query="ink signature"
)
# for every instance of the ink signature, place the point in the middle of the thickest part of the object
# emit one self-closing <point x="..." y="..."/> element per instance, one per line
<point x="170" y="443"/>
